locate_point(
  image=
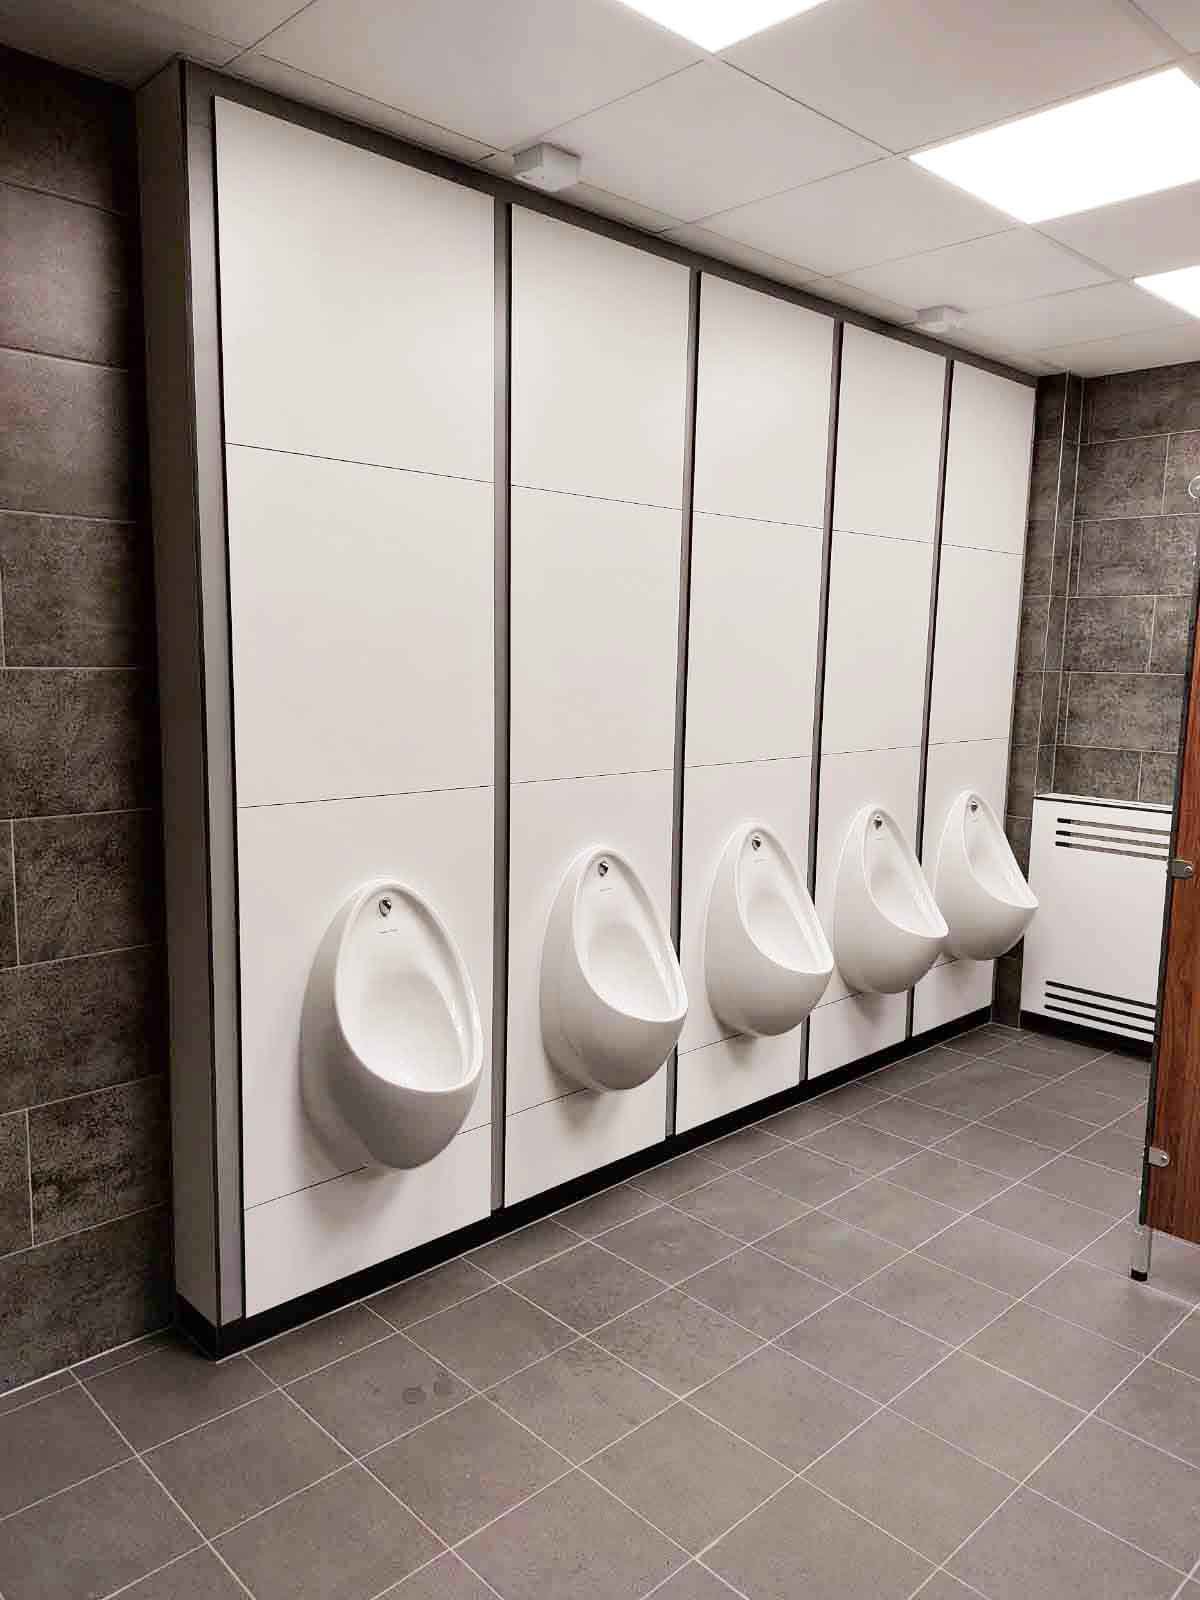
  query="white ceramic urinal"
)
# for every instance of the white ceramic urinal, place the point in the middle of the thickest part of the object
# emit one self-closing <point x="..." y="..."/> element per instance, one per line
<point x="979" y="888"/>
<point x="766" y="960"/>
<point x="887" y="930"/>
<point x="391" y="1043"/>
<point x="612" y="995"/>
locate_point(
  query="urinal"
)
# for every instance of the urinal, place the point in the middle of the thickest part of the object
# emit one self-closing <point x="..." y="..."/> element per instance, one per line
<point x="612" y="995"/>
<point x="390" y="1038"/>
<point x="766" y="960"/>
<point x="979" y="888"/>
<point x="887" y="929"/>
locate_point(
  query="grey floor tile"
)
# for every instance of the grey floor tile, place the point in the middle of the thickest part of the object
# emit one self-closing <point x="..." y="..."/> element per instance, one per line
<point x="800" y="1122"/>
<point x="1116" y="1308"/>
<point x="736" y="1149"/>
<point x="516" y="1252"/>
<point x="1161" y="1406"/>
<point x="669" y="1244"/>
<point x="487" y="1338"/>
<point x="1047" y="1128"/>
<point x="861" y="1146"/>
<point x="803" y="1174"/>
<point x="1123" y="1077"/>
<point x="466" y="1467"/>
<point x="678" y="1176"/>
<point x="1072" y="1097"/>
<point x="976" y="1090"/>
<point x="1114" y="1150"/>
<point x="996" y="1256"/>
<point x="243" y="1462"/>
<point x="1175" y="1264"/>
<point x="908" y="1120"/>
<point x="173" y="1389"/>
<point x="830" y="1249"/>
<point x="995" y="1151"/>
<point x="928" y="1064"/>
<point x="1004" y="1422"/>
<point x="344" y="1539"/>
<point x="759" y="1292"/>
<point x="943" y="1587"/>
<point x="851" y="1098"/>
<point x="447" y="1578"/>
<point x="1033" y="1550"/>
<point x="91" y="1539"/>
<point x="677" y="1341"/>
<point x="585" y="1286"/>
<point x="51" y="1443"/>
<point x="378" y="1393"/>
<point x="1128" y="1487"/>
<point x="694" y="1582"/>
<point x="434" y="1291"/>
<point x="1046" y="1055"/>
<point x="892" y="1213"/>
<point x="939" y="1302"/>
<point x="687" y="1476"/>
<point x="952" y="1183"/>
<point x="1059" y="1223"/>
<point x="580" y="1399"/>
<point x="199" y="1576"/>
<point x="40" y="1389"/>
<point x="1182" y="1349"/>
<point x="741" y="1207"/>
<point x="803" y="1544"/>
<point x="864" y="1348"/>
<point x="317" y="1343"/>
<point x="914" y="1486"/>
<point x="1086" y="1184"/>
<point x="1067" y="1361"/>
<point x="573" y="1540"/>
<point x="605" y="1210"/>
<point x="783" y="1406"/>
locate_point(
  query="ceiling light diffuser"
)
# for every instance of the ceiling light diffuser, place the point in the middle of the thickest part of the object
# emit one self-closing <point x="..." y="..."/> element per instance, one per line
<point x="1135" y="139"/>
<point x="1180" y="288"/>
<point x="713" y="24"/>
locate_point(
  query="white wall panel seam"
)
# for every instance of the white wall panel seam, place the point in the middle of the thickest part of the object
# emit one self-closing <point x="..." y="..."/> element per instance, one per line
<point x="355" y="461"/>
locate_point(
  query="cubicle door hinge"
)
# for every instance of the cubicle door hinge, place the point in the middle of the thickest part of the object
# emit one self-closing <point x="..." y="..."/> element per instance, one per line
<point x="1157" y="1157"/>
<point x="1180" y="868"/>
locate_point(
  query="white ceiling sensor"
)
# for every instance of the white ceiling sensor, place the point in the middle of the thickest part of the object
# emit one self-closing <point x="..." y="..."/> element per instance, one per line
<point x="714" y="24"/>
<point x="1180" y="288"/>
<point x="940" y="319"/>
<point x="546" y="166"/>
<point x="1138" y="138"/>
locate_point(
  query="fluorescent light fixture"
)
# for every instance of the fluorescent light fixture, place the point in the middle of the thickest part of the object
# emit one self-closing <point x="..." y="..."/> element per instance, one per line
<point x="1135" y="139"/>
<point x="713" y="24"/>
<point x="1180" y="288"/>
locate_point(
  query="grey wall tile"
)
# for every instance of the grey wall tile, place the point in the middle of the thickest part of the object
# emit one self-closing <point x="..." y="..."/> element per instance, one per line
<point x="1049" y="405"/>
<point x="67" y="278"/>
<point x="1124" y="711"/>
<point x="1123" y="478"/>
<point x="65" y="133"/>
<point x="1056" y="625"/>
<point x="1157" y="781"/>
<point x="62" y="1301"/>
<point x="1031" y="641"/>
<point x="1183" y="465"/>
<point x="1039" y="555"/>
<point x="1106" y="774"/>
<point x="1045" y="769"/>
<point x="76" y="739"/>
<point x="14" y="1184"/>
<point x="87" y="884"/>
<point x="1027" y="708"/>
<point x="1138" y="555"/>
<point x="1053" y="705"/>
<point x="1043" y="488"/>
<point x="1018" y="831"/>
<point x="1022" y="777"/>
<point x="8" y="925"/>
<point x="76" y="593"/>
<point x="68" y="443"/>
<point x="1172" y="633"/>
<point x="1006" y="1003"/>
<point x="98" y="1156"/>
<point x="1160" y="400"/>
<point x="1111" y="634"/>
<point x="1073" y="409"/>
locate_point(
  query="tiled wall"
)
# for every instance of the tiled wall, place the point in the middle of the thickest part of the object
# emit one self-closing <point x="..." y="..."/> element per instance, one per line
<point x="84" y="1233"/>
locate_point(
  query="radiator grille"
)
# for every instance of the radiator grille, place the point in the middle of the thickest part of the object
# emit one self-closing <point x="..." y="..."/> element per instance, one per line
<point x="1142" y="843"/>
<point x="1096" y="1009"/>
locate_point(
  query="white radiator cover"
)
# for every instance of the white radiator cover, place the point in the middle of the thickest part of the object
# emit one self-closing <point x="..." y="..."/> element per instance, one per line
<point x="1099" y="871"/>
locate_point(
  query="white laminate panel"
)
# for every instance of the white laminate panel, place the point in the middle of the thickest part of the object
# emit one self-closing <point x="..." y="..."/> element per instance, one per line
<point x="732" y="1073"/>
<point x="853" y="1027"/>
<point x="975" y="646"/>
<point x="762" y="422"/>
<point x="297" y="865"/>
<point x="752" y="640"/>
<point x="951" y="990"/>
<point x="549" y="1144"/>
<point x="594" y="640"/>
<point x="987" y="463"/>
<point x="362" y="606"/>
<point x="599" y="364"/>
<point x="356" y="301"/>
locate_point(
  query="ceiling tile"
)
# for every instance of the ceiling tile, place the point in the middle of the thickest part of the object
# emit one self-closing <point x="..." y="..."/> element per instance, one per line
<point x="502" y="72"/>
<point x="849" y="294"/>
<point x="909" y="72"/>
<point x="1096" y="313"/>
<point x="243" y="21"/>
<point x="113" y="39"/>
<point x="707" y="139"/>
<point x="856" y="219"/>
<point x="589" y="198"/>
<point x="740" y="255"/>
<point x="1130" y="352"/>
<point x="1180" y="18"/>
<point x="260" y="69"/>
<point x="1154" y="233"/>
<point x="1016" y="265"/>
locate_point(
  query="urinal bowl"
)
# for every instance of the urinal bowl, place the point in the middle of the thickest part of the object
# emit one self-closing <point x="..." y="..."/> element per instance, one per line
<point x="766" y="959"/>
<point x="391" y="1041"/>
<point x="611" y="993"/>
<point x="979" y="888"/>
<point x="887" y="929"/>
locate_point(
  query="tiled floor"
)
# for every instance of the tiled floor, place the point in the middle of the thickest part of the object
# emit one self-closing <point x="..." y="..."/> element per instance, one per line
<point x="880" y="1345"/>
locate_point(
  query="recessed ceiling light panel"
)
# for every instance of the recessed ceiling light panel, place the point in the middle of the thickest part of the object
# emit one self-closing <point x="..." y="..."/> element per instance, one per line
<point x="714" y="24"/>
<point x="1135" y="139"/>
<point x="1180" y="288"/>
